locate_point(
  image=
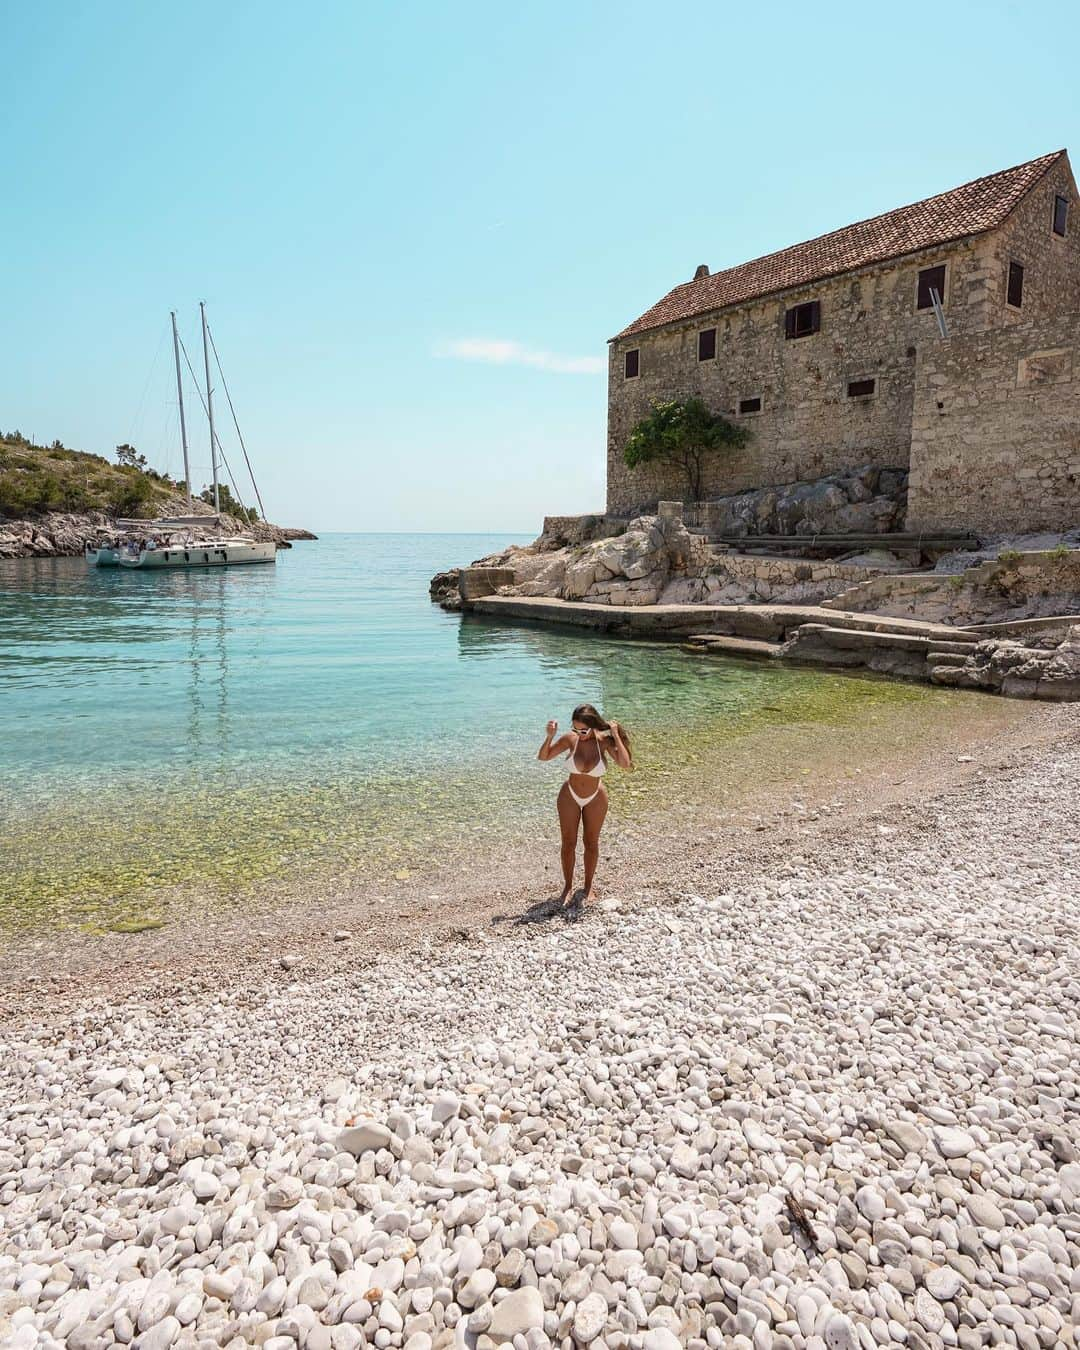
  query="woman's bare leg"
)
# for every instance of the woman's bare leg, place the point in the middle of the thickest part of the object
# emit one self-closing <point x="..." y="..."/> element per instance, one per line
<point x="569" y="823"/>
<point x="592" y="820"/>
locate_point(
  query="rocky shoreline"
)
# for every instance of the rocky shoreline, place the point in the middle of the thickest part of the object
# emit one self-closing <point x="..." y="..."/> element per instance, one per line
<point x="1017" y="598"/>
<point x="66" y="535"/>
<point x="831" y="1102"/>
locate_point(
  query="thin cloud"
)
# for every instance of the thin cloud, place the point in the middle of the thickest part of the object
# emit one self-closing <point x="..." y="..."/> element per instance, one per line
<point x="495" y="352"/>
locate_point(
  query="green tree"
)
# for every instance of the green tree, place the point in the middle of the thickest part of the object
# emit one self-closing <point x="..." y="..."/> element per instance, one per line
<point x="229" y="505"/>
<point x="129" y="457"/>
<point x="683" y="433"/>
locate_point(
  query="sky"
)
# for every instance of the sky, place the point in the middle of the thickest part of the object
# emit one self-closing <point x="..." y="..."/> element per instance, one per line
<point x="416" y="225"/>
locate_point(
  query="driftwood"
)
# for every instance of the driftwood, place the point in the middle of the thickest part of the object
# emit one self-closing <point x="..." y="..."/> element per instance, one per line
<point x="799" y="1219"/>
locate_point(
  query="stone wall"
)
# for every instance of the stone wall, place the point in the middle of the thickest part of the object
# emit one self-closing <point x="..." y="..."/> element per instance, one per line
<point x="741" y="579"/>
<point x="1051" y="263"/>
<point x="808" y="425"/>
<point x="996" y="429"/>
<point x="1014" y="586"/>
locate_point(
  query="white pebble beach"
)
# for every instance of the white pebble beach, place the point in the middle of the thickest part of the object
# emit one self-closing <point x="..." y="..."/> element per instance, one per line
<point x="832" y="1104"/>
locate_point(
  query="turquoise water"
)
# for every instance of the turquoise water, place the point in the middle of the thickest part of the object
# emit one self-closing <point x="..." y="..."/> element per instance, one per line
<point x="213" y="734"/>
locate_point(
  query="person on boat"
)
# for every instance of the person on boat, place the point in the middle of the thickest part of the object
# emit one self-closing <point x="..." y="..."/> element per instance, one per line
<point x="582" y="802"/>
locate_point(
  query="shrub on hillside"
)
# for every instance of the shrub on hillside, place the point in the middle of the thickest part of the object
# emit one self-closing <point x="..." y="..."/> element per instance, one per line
<point x="31" y="492"/>
<point x="131" y="498"/>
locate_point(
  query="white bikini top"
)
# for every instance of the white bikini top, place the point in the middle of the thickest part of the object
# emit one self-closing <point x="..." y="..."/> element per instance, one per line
<point x="597" y="771"/>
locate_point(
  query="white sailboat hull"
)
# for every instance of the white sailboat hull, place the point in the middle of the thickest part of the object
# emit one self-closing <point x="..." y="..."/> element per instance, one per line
<point x="204" y="553"/>
<point x="103" y="556"/>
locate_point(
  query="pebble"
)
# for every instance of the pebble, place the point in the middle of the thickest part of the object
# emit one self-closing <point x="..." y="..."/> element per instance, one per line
<point x="953" y="1143"/>
<point x="369" y="1137"/>
<point x="518" y="1313"/>
<point x="984" y="1212"/>
<point x="589" y="1318"/>
<point x="944" y="1283"/>
<point x="929" y="1312"/>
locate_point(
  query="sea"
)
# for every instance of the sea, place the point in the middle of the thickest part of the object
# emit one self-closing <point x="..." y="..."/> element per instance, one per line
<point x="212" y="737"/>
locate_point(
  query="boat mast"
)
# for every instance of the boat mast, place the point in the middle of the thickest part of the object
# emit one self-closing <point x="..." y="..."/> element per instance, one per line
<point x="180" y="396"/>
<point x="209" y="405"/>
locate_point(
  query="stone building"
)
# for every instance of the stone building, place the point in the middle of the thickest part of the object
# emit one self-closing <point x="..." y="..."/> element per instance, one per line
<point x="943" y="337"/>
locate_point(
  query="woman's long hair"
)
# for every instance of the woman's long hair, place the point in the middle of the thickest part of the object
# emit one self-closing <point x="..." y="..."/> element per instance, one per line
<point x="585" y="712"/>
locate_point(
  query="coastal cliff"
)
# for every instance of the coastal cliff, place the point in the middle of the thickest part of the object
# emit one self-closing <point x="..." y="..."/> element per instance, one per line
<point x="55" y="501"/>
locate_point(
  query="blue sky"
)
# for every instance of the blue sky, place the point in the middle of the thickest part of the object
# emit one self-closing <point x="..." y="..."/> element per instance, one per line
<point x="416" y="225"/>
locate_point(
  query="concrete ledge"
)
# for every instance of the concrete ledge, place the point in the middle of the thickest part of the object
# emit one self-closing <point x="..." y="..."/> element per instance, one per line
<point x="766" y="623"/>
<point x="650" y="621"/>
<point x="711" y="645"/>
<point x="475" y="582"/>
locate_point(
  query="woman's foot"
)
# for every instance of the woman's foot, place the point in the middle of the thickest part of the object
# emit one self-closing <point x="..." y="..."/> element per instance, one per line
<point x="590" y="896"/>
<point x="567" y="897"/>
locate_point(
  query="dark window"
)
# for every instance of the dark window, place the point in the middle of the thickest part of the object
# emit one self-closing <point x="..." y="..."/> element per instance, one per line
<point x="860" y="388"/>
<point x="802" y="320"/>
<point x="748" y="405"/>
<point x="1061" y="214"/>
<point x="1015" y="293"/>
<point x="931" y="279"/>
<point x="706" y="344"/>
<point x="632" y="363"/>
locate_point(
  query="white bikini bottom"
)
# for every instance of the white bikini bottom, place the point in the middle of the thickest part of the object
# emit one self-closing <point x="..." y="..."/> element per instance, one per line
<point x="583" y="801"/>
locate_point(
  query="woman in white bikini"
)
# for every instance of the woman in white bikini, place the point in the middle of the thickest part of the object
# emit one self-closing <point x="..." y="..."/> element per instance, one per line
<point x="583" y="800"/>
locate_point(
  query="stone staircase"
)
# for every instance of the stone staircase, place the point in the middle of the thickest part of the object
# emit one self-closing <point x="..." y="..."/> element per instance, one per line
<point x="909" y="648"/>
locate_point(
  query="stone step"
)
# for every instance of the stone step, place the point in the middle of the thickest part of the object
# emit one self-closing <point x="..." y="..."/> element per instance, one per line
<point x="961" y="649"/>
<point x="855" y="639"/>
<point x="775" y="622"/>
<point x="957" y="657"/>
<point x="716" y="644"/>
<point x="943" y="634"/>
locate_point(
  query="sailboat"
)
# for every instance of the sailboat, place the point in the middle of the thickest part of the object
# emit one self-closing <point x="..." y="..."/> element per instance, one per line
<point x="171" y="541"/>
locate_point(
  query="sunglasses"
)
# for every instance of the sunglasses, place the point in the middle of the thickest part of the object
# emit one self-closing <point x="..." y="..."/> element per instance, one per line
<point x="582" y="731"/>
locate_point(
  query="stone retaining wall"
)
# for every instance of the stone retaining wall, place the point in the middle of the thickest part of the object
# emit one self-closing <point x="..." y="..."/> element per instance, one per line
<point x="1013" y="586"/>
<point x="742" y="578"/>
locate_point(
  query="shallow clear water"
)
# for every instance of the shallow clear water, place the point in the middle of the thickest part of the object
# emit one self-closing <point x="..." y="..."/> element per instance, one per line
<point x="213" y="733"/>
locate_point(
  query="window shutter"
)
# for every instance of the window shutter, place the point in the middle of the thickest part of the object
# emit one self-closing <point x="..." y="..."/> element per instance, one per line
<point x="930" y="278"/>
<point x="789" y="323"/>
<point x="815" y="316"/>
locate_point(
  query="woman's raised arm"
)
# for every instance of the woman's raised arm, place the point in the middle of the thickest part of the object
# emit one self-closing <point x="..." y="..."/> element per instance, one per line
<point x="551" y="747"/>
<point x="619" y="752"/>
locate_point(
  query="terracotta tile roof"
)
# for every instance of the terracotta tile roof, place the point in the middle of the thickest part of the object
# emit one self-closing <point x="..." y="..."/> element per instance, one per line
<point x="957" y="214"/>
